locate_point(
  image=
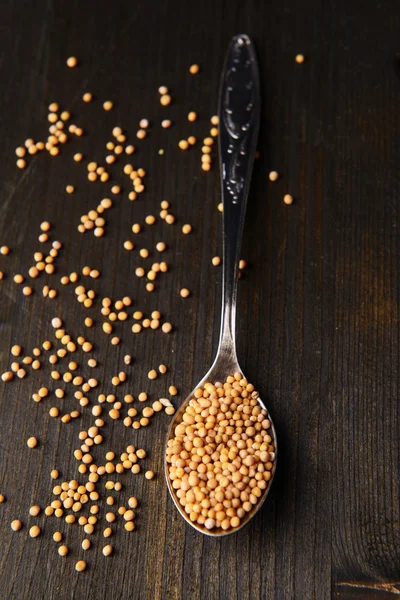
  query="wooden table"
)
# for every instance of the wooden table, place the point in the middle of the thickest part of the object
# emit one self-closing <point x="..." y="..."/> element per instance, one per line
<point x="318" y="328"/>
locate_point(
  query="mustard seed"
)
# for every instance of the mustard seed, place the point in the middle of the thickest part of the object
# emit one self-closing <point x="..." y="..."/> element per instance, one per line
<point x="34" y="531"/>
<point x="185" y="293"/>
<point x="149" y="475"/>
<point x="183" y="145"/>
<point x="273" y="176"/>
<point x="216" y="261"/>
<point x="80" y="565"/>
<point x="16" y="525"/>
<point x="299" y="58"/>
<point x="108" y="105"/>
<point x="34" y="511"/>
<point x="166" y="123"/>
<point x="166" y="327"/>
<point x="288" y="199"/>
<point x="194" y="69"/>
<point x="32" y="442"/>
<point x="165" y="100"/>
<point x="107" y="550"/>
<point x="152" y="374"/>
<point x="72" y="62"/>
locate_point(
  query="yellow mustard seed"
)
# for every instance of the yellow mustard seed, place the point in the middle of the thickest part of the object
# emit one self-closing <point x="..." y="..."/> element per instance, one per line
<point x="72" y="62"/>
<point x="165" y="100"/>
<point x="16" y="525"/>
<point x="273" y="176"/>
<point x="80" y="566"/>
<point x="288" y="199"/>
<point x="108" y="105"/>
<point x="34" y="531"/>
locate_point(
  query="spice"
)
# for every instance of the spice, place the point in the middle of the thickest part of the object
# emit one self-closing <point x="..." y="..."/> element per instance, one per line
<point x="299" y="58"/>
<point x="72" y="61"/>
<point x="288" y="199"/>
<point x="108" y="105"/>
<point x="214" y="496"/>
<point x="273" y="176"/>
<point x="165" y="100"/>
<point x="16" y="525"/>
<point x="107" y="550"/>
<point x="32" y="442"/>
<point x="80" y="565"/>
<point x="194" y="69"/>
<point x="185" y="293"/>
<point x="34" y="531"/>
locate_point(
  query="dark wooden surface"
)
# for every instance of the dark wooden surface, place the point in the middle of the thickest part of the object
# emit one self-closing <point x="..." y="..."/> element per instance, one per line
<point x="318" y="327"/>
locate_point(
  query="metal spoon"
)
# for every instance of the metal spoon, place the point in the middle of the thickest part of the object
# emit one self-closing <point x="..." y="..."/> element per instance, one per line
<point x="239" y="116"/>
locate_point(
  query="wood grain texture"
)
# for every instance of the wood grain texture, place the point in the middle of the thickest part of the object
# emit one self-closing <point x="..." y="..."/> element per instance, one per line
<point x="318" y="328"/>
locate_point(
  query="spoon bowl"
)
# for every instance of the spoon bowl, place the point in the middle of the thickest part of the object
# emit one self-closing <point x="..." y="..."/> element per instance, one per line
<point x="219" y="371"/>
<point x="239" y="116"/>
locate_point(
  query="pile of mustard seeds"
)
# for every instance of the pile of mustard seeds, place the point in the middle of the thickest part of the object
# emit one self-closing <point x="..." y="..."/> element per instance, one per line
<point x="221" y="455"/>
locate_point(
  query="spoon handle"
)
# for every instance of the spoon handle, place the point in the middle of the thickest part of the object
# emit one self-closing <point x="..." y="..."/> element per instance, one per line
<point x="239" y="117"/>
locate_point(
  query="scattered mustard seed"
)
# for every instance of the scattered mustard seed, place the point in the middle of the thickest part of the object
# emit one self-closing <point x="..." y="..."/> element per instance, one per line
<point x="288" y="199"/>
<point x="72" y="61"/>
<point x="34" y="531"/>
<point x="32" y="442"/>
<point x="16" y="525"/>
<point x="273" y="176"/>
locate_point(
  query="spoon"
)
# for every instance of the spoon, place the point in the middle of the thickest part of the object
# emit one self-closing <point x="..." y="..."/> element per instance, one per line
<point x="239" y="116"/>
